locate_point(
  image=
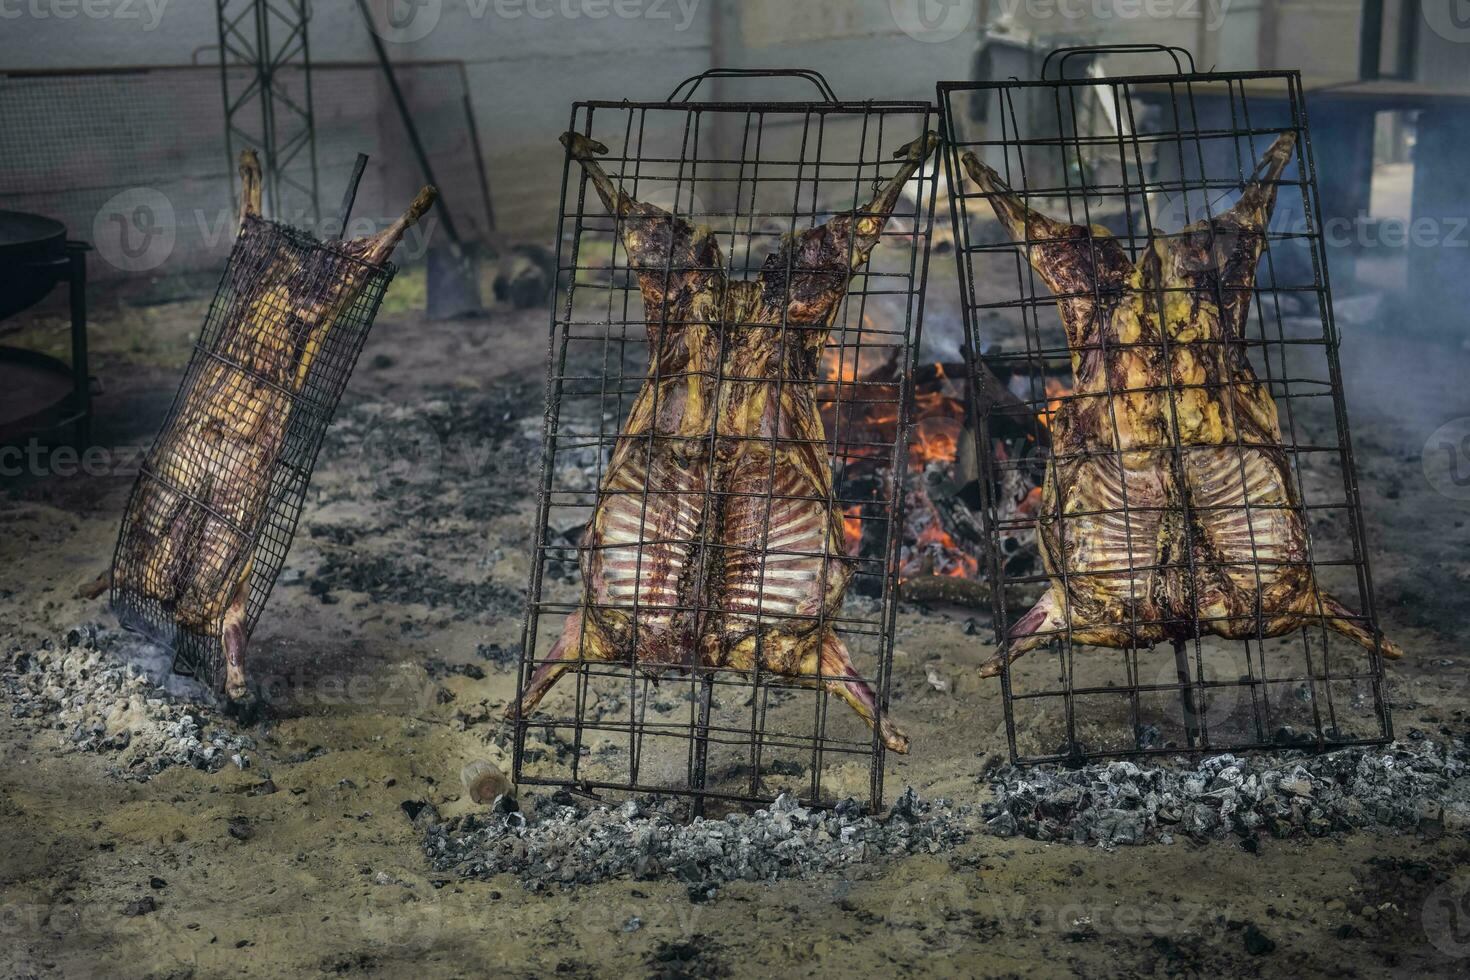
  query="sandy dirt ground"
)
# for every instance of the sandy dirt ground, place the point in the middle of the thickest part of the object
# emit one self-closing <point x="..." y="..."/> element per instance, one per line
<point x="408" y="568"/>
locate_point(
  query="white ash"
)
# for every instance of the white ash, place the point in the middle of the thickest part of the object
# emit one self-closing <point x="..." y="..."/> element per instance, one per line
<point x="1420" y="784"/>
<point x="561" y="843"/>
<point x="107" y="691"/>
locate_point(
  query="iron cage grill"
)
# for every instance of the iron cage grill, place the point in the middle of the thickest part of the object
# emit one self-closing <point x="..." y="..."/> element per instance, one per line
<point x="219" y="494"/>
<point x="1122" y="272"/>
<point x="701" y="523"/>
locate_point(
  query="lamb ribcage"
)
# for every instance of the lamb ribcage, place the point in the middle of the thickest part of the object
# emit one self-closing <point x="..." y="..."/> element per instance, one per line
<point x="643" y="551"/>
<point x="1126" y="548"/>
<point x="778" y="565"/>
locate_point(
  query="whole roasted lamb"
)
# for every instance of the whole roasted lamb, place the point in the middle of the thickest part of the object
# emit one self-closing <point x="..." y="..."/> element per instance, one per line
<point x="715" y="541"/>
<point x="188" y="540"/>
<point x="1169" y="510"/>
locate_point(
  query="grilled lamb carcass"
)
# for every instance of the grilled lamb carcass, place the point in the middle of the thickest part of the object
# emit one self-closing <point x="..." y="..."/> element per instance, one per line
<point x="207" y="483"/>
<point x="1168" y="420"/>
<point x="735" y="555"/>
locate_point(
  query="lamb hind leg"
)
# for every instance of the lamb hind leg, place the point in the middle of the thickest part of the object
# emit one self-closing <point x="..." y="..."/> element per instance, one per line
<point x="1027" y="633"/>
<point x="234" y="640"/>
<point x="837" y="663"/>
<point x="1340" y="619"/>
<point x="563" y="655"/>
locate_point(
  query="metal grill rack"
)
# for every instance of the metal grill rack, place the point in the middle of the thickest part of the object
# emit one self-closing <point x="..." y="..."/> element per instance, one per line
<point x="221" y="490"/>
<point x="677" y="710"/>
<point x="1156" y="166"/>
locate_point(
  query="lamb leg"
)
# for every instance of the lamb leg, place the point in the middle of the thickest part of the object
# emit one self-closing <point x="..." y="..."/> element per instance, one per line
<point x="1032" y="630"/>
<point x="840" y="678"/>
<point x="1338" y="618"/>
<point x="874" y="215"/>
<point x="585" y="150"/>
<point x="234" y="639"/>
<point x="564" y="654"/>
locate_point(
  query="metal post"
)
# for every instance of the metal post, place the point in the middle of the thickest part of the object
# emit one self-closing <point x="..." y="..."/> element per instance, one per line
<point x="267" y="40"/>
<point x="81" y="381"/>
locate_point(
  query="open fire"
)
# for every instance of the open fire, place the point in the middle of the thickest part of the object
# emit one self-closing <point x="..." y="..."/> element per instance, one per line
<point x="942" y="537"/>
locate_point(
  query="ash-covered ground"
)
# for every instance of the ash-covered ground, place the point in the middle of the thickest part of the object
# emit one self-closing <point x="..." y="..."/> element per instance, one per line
<point x="154" y="832"/>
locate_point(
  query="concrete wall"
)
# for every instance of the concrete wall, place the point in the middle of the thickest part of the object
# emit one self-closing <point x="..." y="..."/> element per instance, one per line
<point x="528" y="60"/>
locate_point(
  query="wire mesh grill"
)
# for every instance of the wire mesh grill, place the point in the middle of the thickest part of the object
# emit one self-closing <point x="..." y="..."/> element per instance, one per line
<point x="215" y="506"/>
<point x="711" y="567"/>
<point x="1142" y="262"/>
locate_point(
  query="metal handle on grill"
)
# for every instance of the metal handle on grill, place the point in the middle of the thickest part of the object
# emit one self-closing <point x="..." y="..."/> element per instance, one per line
<point x="815" y="77"/>
<point x="1173" y="51"/>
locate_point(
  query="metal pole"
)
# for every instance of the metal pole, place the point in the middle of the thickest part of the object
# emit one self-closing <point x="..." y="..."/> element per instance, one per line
<point x="81" y="381"/>
<point x="413" y="132"/>
<point x="350" y="195"/>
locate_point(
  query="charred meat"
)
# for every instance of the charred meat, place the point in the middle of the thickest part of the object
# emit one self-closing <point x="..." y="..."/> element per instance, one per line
<point x="1169" y="510"/>
<point x="207" y="482"/>
<point x="715" y="541"/>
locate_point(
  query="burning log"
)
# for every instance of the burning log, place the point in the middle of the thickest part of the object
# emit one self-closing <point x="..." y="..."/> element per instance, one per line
<point x="1168" y="511"/>
<point x="714" y="536"/>
<point x="1003" y="407"/>
<point x="952" y="589"/>
<point x="190" y="531"/>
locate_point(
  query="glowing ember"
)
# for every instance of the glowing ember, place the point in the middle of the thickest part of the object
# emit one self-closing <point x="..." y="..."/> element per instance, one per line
<point x="861" y="415"/>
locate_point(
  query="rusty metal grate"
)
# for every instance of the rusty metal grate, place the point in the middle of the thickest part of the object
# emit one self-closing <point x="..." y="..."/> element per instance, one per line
<point x="1124" y="273"/>
<point x="214" y="509"/>
<point x="702" y="538"/>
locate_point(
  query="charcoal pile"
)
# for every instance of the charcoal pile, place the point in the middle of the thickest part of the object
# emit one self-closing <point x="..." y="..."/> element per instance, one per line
<point x="93" y="693"/>
<point x="563" y="843"/>
<point x="1419" y="785"/>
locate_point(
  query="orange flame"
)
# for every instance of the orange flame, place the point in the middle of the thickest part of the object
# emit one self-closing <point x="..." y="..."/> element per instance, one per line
<point x="869" y="413"/>
<point x="852" y="529"/>
<point x="1056" y="393"/>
